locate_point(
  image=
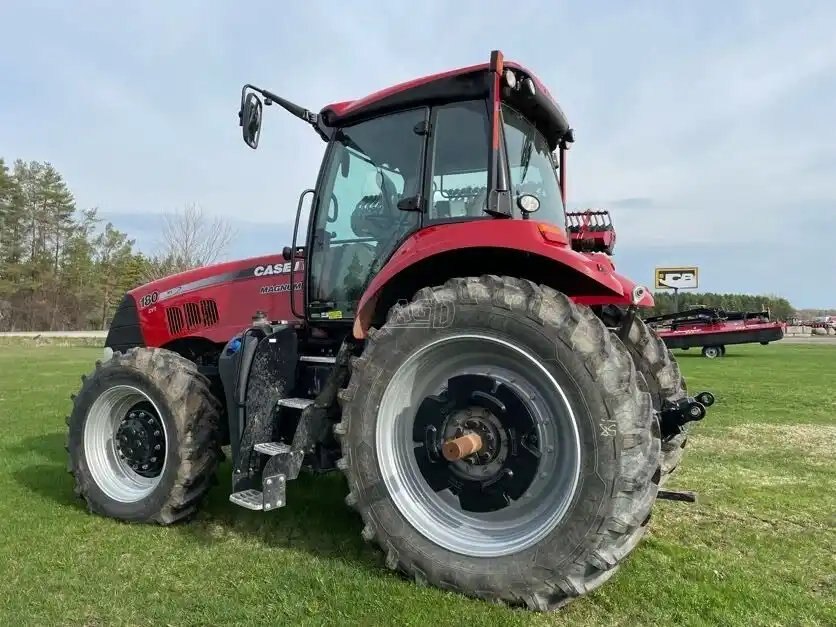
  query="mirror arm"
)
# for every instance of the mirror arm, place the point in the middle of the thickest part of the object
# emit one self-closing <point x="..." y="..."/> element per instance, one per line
<point x="300" y="112"/>
<point x="295" y="109"/>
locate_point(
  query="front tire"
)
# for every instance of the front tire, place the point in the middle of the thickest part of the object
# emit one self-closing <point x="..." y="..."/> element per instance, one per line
<point x="143" y="437"/>
<point x="579" y="438"/>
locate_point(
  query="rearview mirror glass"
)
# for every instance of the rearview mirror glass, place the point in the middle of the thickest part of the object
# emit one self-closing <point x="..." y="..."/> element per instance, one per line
<point x="251" y="119"/>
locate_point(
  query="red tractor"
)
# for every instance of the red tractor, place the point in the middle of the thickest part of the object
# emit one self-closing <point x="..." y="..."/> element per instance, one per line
<point x="503" y="418"/>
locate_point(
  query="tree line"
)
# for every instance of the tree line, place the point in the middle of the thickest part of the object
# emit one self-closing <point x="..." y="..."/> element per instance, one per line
<point x="64" y="268"/>
<point x="60" y="267"/>
<point x="780" y="308"/>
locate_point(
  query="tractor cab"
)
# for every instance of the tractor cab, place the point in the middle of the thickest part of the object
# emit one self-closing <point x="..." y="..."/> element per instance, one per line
<point x="474" y="144"/>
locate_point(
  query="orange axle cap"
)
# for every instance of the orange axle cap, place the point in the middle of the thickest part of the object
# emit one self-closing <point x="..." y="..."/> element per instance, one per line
<point x="459" y="448"/>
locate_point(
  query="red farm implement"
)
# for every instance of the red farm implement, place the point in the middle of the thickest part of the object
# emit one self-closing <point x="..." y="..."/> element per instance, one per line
<point x="591" y="230"/>
<point x="714" y="329"/>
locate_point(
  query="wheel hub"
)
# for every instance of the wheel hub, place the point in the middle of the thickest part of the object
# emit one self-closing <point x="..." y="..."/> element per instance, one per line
<point x="505" y="464"/>
<point x="494" y="448"/>
<point x="140" y="442"/>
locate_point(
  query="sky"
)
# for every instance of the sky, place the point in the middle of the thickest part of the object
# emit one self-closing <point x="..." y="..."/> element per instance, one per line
<point x="708" y="129"/>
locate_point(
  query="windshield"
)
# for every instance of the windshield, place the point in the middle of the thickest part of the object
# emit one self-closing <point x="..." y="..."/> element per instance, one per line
<point x="531" y="166"/>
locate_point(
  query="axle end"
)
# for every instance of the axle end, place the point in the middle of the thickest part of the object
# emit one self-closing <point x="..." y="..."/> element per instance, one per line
<point x="459" y="448"/>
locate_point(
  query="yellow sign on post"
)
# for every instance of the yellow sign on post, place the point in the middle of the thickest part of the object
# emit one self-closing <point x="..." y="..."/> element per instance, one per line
<point x="685" y="278"/>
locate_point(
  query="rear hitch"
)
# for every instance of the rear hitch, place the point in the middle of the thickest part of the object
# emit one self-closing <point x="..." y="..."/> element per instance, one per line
<point x="676" y="414"/>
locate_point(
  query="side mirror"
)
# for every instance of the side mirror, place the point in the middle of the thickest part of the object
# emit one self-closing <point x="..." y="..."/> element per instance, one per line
<point x="287" y="253"/>
<point x="250" y="119"/>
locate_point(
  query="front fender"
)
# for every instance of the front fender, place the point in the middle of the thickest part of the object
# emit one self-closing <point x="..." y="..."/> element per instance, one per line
<point x="543" y="242"/>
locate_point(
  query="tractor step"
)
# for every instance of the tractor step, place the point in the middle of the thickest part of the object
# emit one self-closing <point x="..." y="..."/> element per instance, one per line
<point x="294" y="403"/>
<point x="272" y="448"/>
<point x="251" y="499"/>
<point x="272" y="497"/>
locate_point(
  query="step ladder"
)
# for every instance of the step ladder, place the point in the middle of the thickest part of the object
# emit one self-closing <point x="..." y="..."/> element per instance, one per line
<point x="282" y="466"/>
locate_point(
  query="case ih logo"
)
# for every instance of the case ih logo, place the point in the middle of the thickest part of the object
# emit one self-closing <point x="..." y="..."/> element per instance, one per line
<point x="677" y="278"/>
<point x="275" y="268"/>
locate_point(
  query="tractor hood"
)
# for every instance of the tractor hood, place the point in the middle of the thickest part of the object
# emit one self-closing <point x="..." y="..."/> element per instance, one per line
<point x="205" y="276"/>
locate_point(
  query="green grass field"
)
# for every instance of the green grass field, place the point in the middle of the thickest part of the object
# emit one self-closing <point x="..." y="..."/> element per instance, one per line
<point x="759" y="548"/>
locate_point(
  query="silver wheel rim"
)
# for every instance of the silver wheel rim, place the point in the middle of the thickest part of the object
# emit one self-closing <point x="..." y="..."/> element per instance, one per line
<point x="437" y="515"/>
<point x="111" y="473"/>
<point x="712" y="352"/>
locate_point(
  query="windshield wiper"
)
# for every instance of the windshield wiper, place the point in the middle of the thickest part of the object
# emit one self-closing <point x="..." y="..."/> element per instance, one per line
<point x="525" y="158"/>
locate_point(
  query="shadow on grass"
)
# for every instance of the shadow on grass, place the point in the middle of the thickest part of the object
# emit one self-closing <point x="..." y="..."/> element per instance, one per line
<point x="316" y="520"/>
<point x="49" y="480"/>
<point x="50" y="445"/>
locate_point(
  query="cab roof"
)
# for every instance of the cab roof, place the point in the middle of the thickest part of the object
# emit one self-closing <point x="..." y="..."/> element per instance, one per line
<point x="466" y="83"/>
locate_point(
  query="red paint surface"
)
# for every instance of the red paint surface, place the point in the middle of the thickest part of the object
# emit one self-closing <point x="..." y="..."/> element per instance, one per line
<point x="237" y="300"/>
<point x="520" y="235"/>
<point x="351" y="107"/>
<point x="238" y="297"/>
<point x="723" y="326"/>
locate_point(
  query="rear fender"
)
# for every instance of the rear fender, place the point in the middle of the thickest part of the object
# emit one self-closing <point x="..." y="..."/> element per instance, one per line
<point x="492" y="246"/>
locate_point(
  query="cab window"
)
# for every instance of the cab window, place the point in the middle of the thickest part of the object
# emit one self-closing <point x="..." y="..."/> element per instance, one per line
<point x="459" y="161"/>
<point x="372" y="166"/>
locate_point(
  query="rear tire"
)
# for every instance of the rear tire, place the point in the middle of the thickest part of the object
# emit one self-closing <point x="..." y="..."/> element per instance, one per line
<point x="582" y="378"/>
<point x="664" y="380"/>
<point x="143" y="437"/>
<point x="712" y="352"/>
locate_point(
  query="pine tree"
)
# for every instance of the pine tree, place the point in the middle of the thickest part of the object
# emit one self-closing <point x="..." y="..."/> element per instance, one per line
<point x="113" y="255"/>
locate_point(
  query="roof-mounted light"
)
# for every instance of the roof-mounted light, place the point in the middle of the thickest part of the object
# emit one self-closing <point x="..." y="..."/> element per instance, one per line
<point x="528" y="87"/>
<point x="568" y="139"/>
<point x="511" y="79"/>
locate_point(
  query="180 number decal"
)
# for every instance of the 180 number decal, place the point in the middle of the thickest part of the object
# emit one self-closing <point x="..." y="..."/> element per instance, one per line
<point x="148" y="299"/>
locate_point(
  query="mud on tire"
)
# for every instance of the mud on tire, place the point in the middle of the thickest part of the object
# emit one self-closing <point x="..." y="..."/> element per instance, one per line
<point x="618" y="453"/>
<point x="168" y="389"/>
